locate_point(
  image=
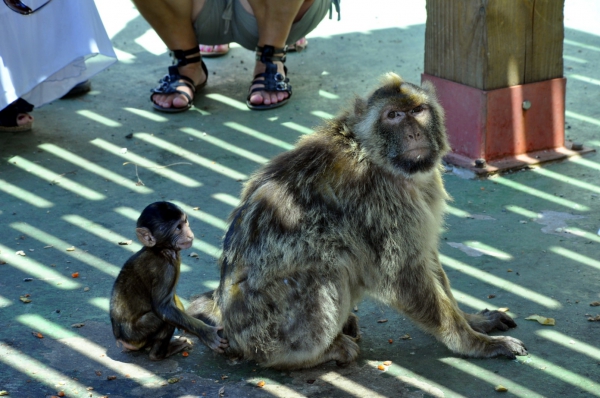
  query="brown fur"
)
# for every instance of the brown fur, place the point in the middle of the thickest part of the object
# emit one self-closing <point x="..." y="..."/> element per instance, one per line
<point x="356" y="208"/>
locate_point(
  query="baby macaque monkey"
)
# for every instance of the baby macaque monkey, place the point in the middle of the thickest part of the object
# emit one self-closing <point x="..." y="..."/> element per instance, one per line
<point x="144" y="309"/>
<point x="354" y="209"/>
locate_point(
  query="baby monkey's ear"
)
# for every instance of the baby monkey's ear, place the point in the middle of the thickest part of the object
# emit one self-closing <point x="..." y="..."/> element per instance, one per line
<point x="145" y="236"/>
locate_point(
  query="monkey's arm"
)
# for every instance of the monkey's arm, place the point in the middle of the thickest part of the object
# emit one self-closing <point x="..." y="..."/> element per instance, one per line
<point x="165" y="306"/>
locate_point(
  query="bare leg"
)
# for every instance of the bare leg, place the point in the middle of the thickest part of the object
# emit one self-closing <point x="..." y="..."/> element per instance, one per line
<point x="274" y="19"/>
<point x="172" y="21"/>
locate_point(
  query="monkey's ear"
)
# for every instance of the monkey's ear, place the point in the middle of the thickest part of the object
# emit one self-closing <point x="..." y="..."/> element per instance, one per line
<point x="429" y="87"/>
<point x="360" y="106"/>
<point x="145" y="236"/>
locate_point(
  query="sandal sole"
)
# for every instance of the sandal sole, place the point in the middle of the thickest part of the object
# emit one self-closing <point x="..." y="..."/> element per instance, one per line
<point x="16" y="129"/>
<point x="262" y="107"/>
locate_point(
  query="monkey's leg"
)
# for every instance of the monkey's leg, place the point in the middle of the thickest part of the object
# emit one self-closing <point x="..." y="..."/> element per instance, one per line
<point x="290" y="322"/>
<point x="430" y="303"/>
<point x="162" y="345"/>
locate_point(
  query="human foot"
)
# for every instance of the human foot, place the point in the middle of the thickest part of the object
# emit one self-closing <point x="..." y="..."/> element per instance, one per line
<point x="214" y="51"/>
<point x="298" y="46"/>
<point x="15" y="118"/>
<point x="176" y="90"/>
<point x="270" y="87"/>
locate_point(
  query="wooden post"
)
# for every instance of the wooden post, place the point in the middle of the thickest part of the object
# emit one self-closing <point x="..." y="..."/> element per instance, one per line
<point x="498" y="70"/>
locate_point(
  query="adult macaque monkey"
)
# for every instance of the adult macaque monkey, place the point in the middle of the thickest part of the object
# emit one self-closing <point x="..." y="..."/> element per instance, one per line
<point x="144" y="309"/>
<point x="356" y="208"/>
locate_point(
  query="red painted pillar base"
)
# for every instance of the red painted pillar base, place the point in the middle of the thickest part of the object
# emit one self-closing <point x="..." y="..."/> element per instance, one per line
<point x="507" y="128"/>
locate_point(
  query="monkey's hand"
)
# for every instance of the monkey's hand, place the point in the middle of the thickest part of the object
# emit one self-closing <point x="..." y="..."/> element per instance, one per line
<point x="485" y="321"/>
<point x="209" y="335"/>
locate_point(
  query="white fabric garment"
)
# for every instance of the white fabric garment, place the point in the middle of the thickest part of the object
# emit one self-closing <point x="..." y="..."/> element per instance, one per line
<point x="45" y="54"/>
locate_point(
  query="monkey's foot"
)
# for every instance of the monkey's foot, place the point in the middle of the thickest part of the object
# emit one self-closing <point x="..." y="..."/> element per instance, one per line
<point x="176" y="345"/>
<point x="343" y="350"/>
<point x="505" y="346"/>
<point x="351" y="327"/>
<point x="485" y="321"/>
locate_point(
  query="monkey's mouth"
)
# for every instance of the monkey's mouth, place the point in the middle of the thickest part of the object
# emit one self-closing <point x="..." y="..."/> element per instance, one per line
<point x="186" y="245"/>
<point x="418" y="153"/>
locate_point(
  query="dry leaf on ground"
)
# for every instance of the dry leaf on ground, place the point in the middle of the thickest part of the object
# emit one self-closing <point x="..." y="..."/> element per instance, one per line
<point x="541" y="320"/>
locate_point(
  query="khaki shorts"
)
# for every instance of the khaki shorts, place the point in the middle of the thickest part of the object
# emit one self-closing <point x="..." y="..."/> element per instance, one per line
<point x="226" y="21"/>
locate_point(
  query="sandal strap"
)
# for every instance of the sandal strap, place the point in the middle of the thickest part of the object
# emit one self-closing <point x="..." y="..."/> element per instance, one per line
<point x="180" y="56"/>
<point x="267" y="54"/>
<point x="8" y="115"/>
<point x="272" y="80"/>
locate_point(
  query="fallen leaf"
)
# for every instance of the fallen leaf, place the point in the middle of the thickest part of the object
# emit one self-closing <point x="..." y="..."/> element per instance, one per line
<point x="27" y="279"/>
<point x="196" y="208"/>
<point x="78" y="325"/>
<point x="387" y="363"/>
<point x="381" y="367"/>
<point x="185" y="353"/>
<point x="3" y="393"/>
<point x="20" y="253"/>
<point x="2" y="262"/>
<point x="75" y="275"/>
<point x="98" y="373"/>
<point x="542" y="320"/>
<point x="390" y="341"/>
<point x="260" y="384"/>
<point x="406" y="337"/>
<point x="111" y="377"/>
<point x="89" y="388"/>
<point x="126" y="242"/>
<point x="194" y="254"/>
<point x="86" y="289"/>
<point x="594" y="319"/>
<point x="355" y="308"/>
<point x="48" y="247"/>
<point x="71" y="249"/>
<point x="61" y="394"/>
<point x="491" y="296"/>
<point x="501" y="388"/>
<point x="223" y="377"/>
<point x="24" y="299"/>
<point x="221" y="392"/>
<point x="382" y="321"/>
<point x="595" y="304"/>
<point x="503" y="309"/>
<point x="173" y="380"/>
<point x="509" y="270"/>
<point x="38" y="335"/>
<point x="311" y="381"/>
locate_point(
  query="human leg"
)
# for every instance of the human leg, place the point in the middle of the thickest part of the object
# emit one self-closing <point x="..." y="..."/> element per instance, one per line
<point x="172" y="21"/>
<point x="274" y="20"/>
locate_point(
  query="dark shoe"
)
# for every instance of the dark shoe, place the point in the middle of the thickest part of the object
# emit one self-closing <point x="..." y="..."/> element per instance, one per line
<point x="9" y="116"/>
<point x="169" y="83"/>
<point x="79" y="89"/>
<point x="272" y="81"/>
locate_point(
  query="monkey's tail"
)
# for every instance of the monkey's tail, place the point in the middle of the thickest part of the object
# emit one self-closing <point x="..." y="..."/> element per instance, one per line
<point x="204" y="307"/>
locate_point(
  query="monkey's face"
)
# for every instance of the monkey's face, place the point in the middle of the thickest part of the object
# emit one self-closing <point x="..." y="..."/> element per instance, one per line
<point x="406" y="133"/>
<point x="182" y="235"/>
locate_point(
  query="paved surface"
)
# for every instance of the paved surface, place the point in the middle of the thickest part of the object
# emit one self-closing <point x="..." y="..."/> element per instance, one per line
<point x="527" y="241"/>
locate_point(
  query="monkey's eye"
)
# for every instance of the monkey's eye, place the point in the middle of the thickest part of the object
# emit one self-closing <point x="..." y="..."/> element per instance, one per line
<point x="418" y="109"/>
<point x="391" y="114"/>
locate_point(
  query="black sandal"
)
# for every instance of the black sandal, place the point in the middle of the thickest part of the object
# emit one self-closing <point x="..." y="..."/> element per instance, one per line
<point x="10" y="114"/>
<point x="272" y="80"/>
<point x="169" y="83"/>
